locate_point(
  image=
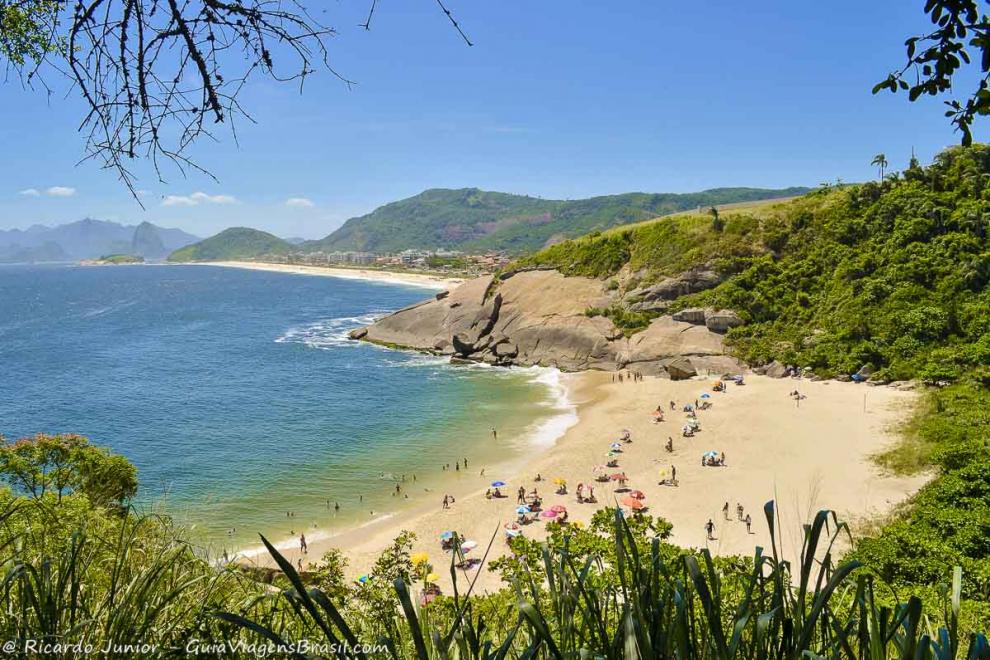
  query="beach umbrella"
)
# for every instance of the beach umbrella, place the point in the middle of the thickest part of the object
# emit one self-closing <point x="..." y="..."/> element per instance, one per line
<point x="523" y="509"/>
<point x="560" y="481"/>
<point x="432" y="577"/>
<point x="467" y="546"/>
<point x="637" y="494"/>
<point x="549" y="513"/>
<point x="619" y="476"/>
<point x="633" y="503"/>
<point x="598" y="468"/>
<point x="498" y="484"/>
<point x="710" y="454"/>
<point x="446" y="535"/>
<point x="615" y="445"/>
<point x="419" y="558"/>
<point x="513" y="533"/>
<point x="559" y="508"/>
<point x="363" y="579"/>
<point x="706" y="395"/>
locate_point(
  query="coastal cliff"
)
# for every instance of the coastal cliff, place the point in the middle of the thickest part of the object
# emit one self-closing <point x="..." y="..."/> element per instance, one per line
<point x="541" y="317"/>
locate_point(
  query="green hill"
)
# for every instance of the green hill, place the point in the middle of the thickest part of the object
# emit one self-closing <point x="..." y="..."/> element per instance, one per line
<point x="471" y="219"/>
<point x="233" y="243"/>
<point x="121" y="259"/>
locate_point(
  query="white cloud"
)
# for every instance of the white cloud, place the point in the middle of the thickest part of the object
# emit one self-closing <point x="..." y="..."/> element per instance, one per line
<point x="60" y="191"/>
<point x="177" y="200"/>
<point x="197" y="198"/>
<point x="30" y="192"/>
<point x="300" y="203"/>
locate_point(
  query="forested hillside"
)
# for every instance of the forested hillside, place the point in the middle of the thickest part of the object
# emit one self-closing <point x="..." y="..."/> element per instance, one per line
<point x="890" y="274"/>
<point x="233" y="243"/>
<point x="472" y="220"/>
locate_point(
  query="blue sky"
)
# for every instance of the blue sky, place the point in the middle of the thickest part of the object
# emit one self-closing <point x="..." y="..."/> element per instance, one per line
<point x="556" y="98"/>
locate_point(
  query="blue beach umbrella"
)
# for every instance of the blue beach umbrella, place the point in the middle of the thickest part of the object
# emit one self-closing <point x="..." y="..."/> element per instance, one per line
<point x="706" y="395"/>
<point x="497" y="484"/>
<point x="523" y="509"/>
<point x="446" y="535"/>
<point x="363" y="579"/>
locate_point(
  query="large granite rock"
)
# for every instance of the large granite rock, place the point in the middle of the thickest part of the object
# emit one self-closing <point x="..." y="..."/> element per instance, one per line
<point x="720" y="321"/>
<point x="670" y="288"/>
<point x="691" y="315"/>
<point x="539" y="318"/>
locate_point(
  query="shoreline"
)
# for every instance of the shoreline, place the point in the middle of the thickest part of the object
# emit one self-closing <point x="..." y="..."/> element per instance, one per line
<point x="807" y="455"/>
<point x="539" y="437"/>
<point x="434" y="282"/>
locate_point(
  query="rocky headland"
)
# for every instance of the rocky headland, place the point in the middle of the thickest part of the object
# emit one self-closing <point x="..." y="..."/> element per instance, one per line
<point x="541" y="317"/>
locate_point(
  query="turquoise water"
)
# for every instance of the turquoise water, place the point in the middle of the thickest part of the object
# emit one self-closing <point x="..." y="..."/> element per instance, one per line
<point x="239" y="398"/>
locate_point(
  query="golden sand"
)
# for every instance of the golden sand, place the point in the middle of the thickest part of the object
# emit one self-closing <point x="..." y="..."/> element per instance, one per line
<point x="807" y="455"/>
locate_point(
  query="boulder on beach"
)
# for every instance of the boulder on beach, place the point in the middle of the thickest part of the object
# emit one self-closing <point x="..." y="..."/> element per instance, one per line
<point x="775" y="370"/>
<point x="680" y="369"/>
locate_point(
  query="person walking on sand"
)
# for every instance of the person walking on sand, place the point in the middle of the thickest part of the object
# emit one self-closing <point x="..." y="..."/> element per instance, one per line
<point x="725" y="510"/>
<point x="446" y="502"/>
<point x="673" y="474"/>
<point x="521" y="495"/>
<point x="670" y="445"/>
<point x="749" y="524"/>
<point x="710" y="528"/>
<point x="494" y="433"/>
<point x="303" y="548"/>
<point x="739" y="511"/>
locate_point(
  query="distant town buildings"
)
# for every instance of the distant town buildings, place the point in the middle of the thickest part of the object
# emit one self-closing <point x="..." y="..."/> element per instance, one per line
<point x="439" y="260"/>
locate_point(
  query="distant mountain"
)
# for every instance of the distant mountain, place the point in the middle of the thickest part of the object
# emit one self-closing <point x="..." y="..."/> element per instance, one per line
<point x="233" y="243"/>
<point x="46" y="252"/>
<point x="89" y="239"/>
<point x="148" y="242"/>
<point x="471" y="219"/>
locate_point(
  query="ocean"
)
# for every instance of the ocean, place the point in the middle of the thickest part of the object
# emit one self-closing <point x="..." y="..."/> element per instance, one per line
<point x="241" y="401"/>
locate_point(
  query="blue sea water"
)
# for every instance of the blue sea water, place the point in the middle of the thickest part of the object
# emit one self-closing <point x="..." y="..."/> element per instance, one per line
<point x="238" y="396"/>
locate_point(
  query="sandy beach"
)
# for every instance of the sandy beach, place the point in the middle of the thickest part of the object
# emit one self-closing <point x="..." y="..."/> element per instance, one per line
<point x="806" y="455"/>
<point x="411" y="279"/>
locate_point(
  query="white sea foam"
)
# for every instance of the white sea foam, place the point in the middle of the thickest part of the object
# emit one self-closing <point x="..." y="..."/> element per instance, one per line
<point x="312" y="535"/>
<point x="545" y="433"/>
<point x="327" y="333"/>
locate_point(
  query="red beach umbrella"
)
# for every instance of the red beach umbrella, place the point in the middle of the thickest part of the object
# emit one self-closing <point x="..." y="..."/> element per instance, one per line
<point x="633" y="503"/>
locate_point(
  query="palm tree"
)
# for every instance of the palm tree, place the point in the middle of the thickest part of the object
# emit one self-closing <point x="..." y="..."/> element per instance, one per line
<point x="880" y="160"/>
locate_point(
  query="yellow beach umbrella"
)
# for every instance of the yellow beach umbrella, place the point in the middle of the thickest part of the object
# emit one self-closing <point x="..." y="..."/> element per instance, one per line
<point x="432" y="577"/>
<point x="560" y="481"/>
<point x="419" y="558"/>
